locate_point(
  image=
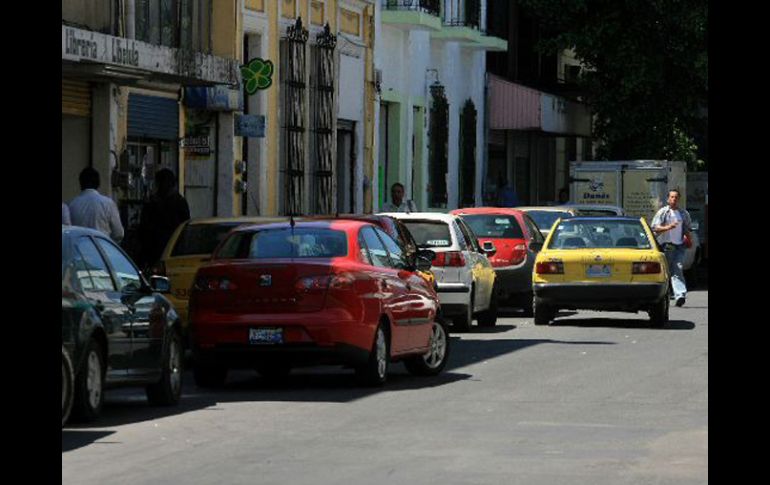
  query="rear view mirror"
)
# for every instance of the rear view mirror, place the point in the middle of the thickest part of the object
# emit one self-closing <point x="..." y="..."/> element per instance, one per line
<point x="161" y="284"/>
<point x="489" y="248"/>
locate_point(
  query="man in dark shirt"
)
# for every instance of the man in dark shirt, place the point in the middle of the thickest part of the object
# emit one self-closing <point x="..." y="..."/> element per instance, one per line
<point x="161" y="216"/>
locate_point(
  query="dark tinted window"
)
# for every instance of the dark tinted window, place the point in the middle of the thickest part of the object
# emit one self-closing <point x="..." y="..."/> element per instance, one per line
<point x="430" y="234"/>
<point x="285" y="243"/>
<point x="91" y="269"/>
<point x="572" y="234"/>
<point x="125" y="272"/>
<point x="377" y="251"/>
<point x="200" y="238"/>
<point x="396" y="252"/>
<point x="491" y="226"/>
<point x="545" y="219"/>
<point x="534" y="232"/>
<point x="468" y="235"/>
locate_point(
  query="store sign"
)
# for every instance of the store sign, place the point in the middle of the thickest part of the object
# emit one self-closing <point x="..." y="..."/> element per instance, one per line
<point x="197" y="145"/>
<point x="257" y="75"/>
<point x="250" y="126"/>
<point x="80" y="45"/>
<point x="596" y="188"/>
<point x="217" y="98"/>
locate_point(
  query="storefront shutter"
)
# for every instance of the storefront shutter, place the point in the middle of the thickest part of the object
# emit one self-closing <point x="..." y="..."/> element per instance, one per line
<point x="153" y="117"/>
<point x="75" y="98"/>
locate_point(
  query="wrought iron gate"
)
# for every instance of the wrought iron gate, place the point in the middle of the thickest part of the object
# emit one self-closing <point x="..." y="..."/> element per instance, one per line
<point x="323" y="121"/>
<point x="293" y="73"/>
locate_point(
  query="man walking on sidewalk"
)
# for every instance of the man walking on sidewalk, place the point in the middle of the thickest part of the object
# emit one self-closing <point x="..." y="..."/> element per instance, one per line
<point x="92" y="209"/>
<point x="671" y="224"/>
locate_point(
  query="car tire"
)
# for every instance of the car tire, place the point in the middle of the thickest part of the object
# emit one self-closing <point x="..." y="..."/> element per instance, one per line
<point x="67" y="386"/>
<point x="488" y="318"/>
<point x="659" y="313"/>
<point x="375" y="371"/>
<point x="209" y="376"/>
<point x="462" y="323"/>
<point x="528" y="305"/>
<point x="89" y="384"/>
<point x="274" y="371"/>
<point x="433" y="362"/>
<point x="168" y="389"/>
<point x="543" y="314"/>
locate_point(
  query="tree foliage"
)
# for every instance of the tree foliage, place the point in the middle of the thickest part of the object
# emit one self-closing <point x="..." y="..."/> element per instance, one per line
<point x="646" y="75"/>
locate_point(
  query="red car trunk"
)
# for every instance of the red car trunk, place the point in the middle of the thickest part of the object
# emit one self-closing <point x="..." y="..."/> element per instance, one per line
<point x="510" y="252"/>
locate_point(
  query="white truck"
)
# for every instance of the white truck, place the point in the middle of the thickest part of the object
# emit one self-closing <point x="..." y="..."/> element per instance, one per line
<point x="640" y="187"/>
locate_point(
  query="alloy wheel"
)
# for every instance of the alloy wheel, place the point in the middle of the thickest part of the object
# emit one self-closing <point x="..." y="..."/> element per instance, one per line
<point x="94" y="380"/>
<point x="435" y="355"/>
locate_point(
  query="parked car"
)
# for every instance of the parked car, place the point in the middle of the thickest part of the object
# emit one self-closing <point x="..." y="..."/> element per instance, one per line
<point x="601" y="263"/>
<point x="464" y="276"/>
<point x="546" y="216"/>
<point x="395" y="229"/>
<point x="595" y="210"/>
<point x="282" y="295"/>
<point x="190" y="247"/>
<point x="118" y="329"/>
<point x="516" y="240"/>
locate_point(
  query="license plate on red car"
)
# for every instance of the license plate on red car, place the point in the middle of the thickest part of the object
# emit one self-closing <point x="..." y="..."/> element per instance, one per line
<point x="266" y="335"/>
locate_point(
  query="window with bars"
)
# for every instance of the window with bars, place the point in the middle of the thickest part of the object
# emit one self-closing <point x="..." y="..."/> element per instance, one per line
<point x="439" y="135"/>
<point x="323" y="120"/>
<point x="182" y="24"/>
<point x="468" y="118"/>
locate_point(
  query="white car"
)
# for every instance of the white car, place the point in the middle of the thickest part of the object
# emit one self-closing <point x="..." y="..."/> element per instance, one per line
<point x="465" y="278"/>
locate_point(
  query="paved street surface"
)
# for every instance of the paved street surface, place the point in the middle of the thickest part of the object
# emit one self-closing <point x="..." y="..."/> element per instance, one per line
<point x="597" y="398"/>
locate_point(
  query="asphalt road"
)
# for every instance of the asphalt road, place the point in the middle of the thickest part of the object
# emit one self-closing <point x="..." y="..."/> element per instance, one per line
<point x="596" y="398"/>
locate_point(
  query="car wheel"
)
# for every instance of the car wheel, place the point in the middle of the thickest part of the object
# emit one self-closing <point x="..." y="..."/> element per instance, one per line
<point x="488" y="318"/>
<point x="67" y="383"/>
<point x="659" y="313"/>
<point x="89" y="384"/>
<point x="209" y="376"/>
<point x="463" y="322"/>
<point x="375" y="371"/>
<point x="274" y="371"/>
<point x="168" y="390"/>
<point x="543" y="314"/>
<point x="433" y="362"/>
<point x="528" y="305"/>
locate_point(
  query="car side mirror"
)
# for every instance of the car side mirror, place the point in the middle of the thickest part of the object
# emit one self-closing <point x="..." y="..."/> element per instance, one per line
<point x="423" y="263"/>
<point x="535" y="246"/>
<point x="161" y="284"/>
<point x="488" y="248"/>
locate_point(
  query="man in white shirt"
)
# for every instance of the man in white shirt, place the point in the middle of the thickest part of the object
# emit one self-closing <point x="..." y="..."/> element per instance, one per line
<point x="670" y="225"/>
<point x="92" y="209"/>
<point x="397" y="202"/>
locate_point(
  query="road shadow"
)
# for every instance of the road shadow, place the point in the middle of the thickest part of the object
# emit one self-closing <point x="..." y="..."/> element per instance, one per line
<point x="622" y="323"/>
<point x="468" y="351"/>
<point x="72" y="439"/>
<point x="478" y="329"/>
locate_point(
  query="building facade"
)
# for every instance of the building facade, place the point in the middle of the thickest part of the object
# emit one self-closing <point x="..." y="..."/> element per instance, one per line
<point x="431" y="137"/>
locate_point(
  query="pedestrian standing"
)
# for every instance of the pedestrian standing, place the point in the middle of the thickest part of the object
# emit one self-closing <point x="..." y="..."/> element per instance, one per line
<point x="397" y="202"/>
<point x="65" y="215"/>
<point x="160" y="217"/>
<point x="671" y="225"/>
<point x="94" y="210"/>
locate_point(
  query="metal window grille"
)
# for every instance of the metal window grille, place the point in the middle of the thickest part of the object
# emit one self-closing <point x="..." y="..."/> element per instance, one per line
<point x="428" y="6"/>
<point x="323" y="120"/>
<point x="462" y="13"/>
<point x="439" y="135"/>
<point x="294" y="75"/>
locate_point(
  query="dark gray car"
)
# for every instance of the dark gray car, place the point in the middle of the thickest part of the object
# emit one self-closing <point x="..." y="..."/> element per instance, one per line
<point x="117" y="329"/>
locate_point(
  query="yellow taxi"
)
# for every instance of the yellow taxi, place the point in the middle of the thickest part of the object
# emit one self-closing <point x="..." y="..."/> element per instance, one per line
<point x="190" y="247"/>
<point x="601" y="263"/>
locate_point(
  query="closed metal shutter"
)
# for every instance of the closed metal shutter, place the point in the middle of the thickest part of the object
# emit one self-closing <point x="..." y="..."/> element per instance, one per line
<point x="153" y="117"/>
<point x="75" y="98"/>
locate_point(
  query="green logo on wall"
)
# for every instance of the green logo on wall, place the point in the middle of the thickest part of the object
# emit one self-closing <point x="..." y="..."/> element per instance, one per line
<point x="257" y="74"/>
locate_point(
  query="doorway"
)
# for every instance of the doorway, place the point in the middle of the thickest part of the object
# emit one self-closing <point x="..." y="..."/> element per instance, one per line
<point x="346" y="166"/>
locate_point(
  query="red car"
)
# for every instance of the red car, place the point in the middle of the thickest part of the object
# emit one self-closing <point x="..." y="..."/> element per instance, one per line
<point x="282" y="295"/>
<point x="517" y="240"/>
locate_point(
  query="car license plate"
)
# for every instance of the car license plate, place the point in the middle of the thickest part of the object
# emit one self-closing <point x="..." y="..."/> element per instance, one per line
<point x="266" y="335"/>
<point x="598" y="271"/>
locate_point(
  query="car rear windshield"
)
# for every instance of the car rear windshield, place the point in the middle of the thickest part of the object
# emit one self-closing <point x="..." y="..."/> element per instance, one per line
<point x="597" y="213"/>
<point x="285" y="243"/>
<point x="545" y="219"/>
<point x="579" y="234"/>
<point x="492" y="226"/>
<point x="201" y="238"/>
<point x="430" y="234"/>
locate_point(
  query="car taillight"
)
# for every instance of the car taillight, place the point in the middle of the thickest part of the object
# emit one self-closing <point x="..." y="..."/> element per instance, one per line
<point x="450" y="258"/>
<point x="519" y="253"/>
<point x="321" y="283"/>
<point x="549" y="267"/>
<point x="646" y="268"/>
<point x="215" y="283"/>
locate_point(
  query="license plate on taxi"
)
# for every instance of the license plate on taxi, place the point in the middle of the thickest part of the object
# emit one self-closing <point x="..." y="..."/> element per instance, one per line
<point x="598" y="271"/>
<point x="266" y="335"/>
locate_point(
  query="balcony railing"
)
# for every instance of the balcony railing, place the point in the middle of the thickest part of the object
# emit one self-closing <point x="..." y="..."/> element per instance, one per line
<point x="462" y="13"/>
<point x="432" y="7"/>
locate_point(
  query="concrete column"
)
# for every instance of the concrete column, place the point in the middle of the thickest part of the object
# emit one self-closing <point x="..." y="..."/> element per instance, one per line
<point x="105" y="149"/>
<point x="225" y="165"/>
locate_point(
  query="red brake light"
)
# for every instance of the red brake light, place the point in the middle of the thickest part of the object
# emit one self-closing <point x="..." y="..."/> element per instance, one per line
<point x="449" y="258"/>
<point x="549" y="267"/>
<point x="321" y="283"/>
<point x="646" y="268"/>
<point x="519" y="253"/>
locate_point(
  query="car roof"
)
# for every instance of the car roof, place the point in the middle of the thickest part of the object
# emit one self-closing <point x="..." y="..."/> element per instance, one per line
<point x="430" y="216"/>
<point x="341" y="224"/>
<point x="237" y="220"/>
<point x="594" y="206"/>
<point x="78" y="230"/>
<point x="546" y="208"/>
<point x="508" y="211"/>
<point x="603" y="219"/>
